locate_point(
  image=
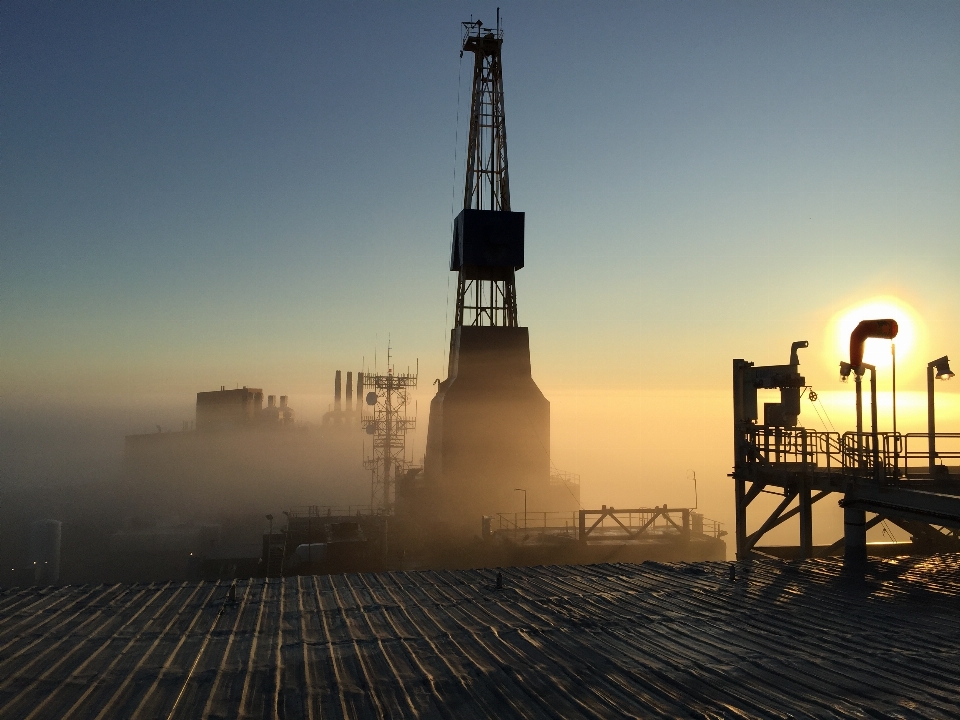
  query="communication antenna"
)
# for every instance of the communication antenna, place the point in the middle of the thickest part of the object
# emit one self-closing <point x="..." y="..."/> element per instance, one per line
<point x="388" y="425"/>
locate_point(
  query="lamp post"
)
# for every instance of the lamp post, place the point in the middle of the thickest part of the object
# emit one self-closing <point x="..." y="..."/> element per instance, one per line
<point x="524" y="505"/>
<point x="941" y="367"/>
<point x="896" y="440"/>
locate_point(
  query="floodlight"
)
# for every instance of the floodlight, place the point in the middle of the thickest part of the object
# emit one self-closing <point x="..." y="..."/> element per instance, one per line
<point x="942" y="368"/>
<point x="939" y="369"/>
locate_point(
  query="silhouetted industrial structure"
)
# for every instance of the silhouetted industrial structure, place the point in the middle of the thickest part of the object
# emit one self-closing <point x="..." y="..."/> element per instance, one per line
<point x="388" y="426"/>
<point x="895" y="476"/>
<point x="489" y="428"/>
<point x="241" y="408"/>
<point x="345" y="413"/>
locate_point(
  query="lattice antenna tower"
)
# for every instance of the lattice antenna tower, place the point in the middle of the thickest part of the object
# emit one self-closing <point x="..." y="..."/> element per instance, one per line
<point x="388" y="425"/>
<point x="486" y="298"/>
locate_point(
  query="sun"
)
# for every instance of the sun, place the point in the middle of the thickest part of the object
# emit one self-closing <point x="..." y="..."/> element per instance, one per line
<point x="876" y="352"/>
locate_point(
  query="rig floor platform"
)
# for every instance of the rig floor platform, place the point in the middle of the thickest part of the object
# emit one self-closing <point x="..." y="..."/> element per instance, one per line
<point x="650" y="640"/>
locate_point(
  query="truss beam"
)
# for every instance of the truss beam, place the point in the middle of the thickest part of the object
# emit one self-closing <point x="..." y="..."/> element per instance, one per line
<point x="487" y="300"/>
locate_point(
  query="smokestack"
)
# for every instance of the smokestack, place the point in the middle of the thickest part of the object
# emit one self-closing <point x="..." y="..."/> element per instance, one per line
<point x="271" y="401"/>
<point x="359" y="390"/>
<point x="336" y="393"/>
<point x="283" y="402"/>
<point x="349" y="391"/>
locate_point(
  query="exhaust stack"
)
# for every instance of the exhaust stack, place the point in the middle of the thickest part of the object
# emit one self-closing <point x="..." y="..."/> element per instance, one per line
<point x="336" y="393"/>
<point x="883" y="329"/>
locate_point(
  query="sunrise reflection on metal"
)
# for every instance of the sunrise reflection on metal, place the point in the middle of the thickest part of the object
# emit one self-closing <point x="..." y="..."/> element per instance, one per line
<point x="769" y="639"/>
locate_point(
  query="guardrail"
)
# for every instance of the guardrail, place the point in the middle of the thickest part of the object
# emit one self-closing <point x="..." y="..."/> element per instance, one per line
<point x="321" y="511"/>
<point x="898" y="455"/>
<point x="607" y="523"/>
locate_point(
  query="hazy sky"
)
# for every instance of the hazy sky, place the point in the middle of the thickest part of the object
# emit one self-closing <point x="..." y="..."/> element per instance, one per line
<point x="205" y="194"/>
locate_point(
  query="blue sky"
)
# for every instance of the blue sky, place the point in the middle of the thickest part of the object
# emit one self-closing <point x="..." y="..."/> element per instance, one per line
<point x="200" y="194"/>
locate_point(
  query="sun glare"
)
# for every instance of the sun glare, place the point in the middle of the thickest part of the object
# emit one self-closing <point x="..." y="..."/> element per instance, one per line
<point x="876" y="352"/>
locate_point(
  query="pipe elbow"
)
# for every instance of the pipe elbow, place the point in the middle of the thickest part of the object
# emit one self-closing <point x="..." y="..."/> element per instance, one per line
<point x="885" y="329"/>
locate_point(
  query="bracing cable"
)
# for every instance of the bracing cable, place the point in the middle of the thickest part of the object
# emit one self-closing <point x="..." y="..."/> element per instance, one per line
<point x="814" y="404"/>
<point x="453" y="205"/>
<point x="827" y="416"/>
<point x="814" y="399"/>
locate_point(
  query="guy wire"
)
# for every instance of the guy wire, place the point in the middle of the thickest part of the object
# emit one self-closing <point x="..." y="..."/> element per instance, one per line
<point x="453" y="200"/>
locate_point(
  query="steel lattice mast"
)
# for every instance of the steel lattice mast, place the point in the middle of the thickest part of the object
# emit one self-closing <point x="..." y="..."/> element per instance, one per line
<point x="486" y="300"/>
<point x="388" y="425"/>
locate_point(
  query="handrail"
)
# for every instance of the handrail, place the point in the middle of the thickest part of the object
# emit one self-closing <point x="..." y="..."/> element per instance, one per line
<point x="801" y="449"/>
<point x="561" y="523"/>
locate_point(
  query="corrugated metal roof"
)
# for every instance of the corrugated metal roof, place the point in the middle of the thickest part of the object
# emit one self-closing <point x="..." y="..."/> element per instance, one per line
<point x="783" y="640"/>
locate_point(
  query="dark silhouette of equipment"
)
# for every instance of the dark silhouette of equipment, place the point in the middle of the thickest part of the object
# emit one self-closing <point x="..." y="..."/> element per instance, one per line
<point x="489" y="428"/>
<point x="890" y="474"/>
<point x="388" y="425"/>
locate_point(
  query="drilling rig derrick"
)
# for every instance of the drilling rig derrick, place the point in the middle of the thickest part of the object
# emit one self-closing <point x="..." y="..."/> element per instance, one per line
<point x="489" y="430"/>
<point x="488" y="238"/>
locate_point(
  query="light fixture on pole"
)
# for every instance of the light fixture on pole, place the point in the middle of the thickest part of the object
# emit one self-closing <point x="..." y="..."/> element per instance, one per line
<point x="524" y="505"/>
<point x="939" y="369"/>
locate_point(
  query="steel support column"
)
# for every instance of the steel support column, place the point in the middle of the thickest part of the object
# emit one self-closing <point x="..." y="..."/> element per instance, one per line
<point x="741" y="502"/>
<point x="854" y="537"/>
<point x="806" y="524"/>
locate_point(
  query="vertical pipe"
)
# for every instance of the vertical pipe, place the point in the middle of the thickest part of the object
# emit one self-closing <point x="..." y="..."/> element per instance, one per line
<point x="740" y="496"/>
<point x="806" y="524"/>
<point x="336" y="393"/>
<point x="931" y="424"/>
<point x="896" y="440"/>
<point x="859" y="421"/>
<point x="877" y="470"/>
